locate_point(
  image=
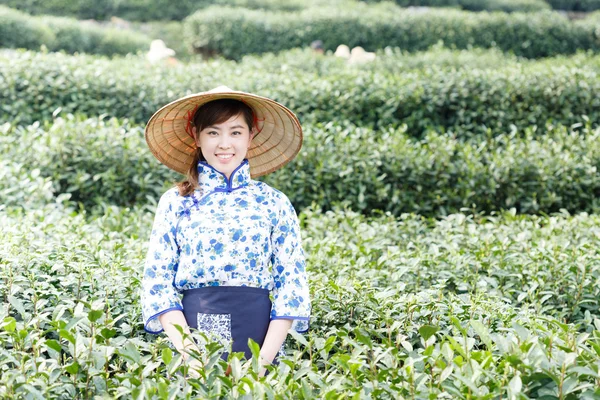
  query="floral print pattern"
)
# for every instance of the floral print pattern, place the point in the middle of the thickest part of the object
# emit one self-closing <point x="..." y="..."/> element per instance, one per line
<point x="216" y="327"/>
<point x="229" y="232"/>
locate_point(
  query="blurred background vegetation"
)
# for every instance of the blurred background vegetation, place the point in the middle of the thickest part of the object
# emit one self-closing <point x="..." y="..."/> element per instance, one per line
<point x="448" y="190"/>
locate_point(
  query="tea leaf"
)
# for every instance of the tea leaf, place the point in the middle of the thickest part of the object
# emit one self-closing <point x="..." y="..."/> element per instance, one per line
<point x="53" y="344"/>
<point x="427" y="331"/>
<point x="72" y="368"/>
<point x="95" y="315"/>
<point x="18" y="305"/>
<point x="10" y="324"/>
<point x="67" y="335"/>
<point x="167" y="355"/>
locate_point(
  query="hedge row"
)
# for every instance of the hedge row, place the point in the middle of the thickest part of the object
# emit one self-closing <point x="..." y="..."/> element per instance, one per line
<point x="388" y="61"/>
<point x="277" y="5"/>
<point x="503" y="5"/>
<point x="546" y="264"/>
<point x="19" y="30"/>
<point x="150" y="10"/>
<point x="575" y="5"/>
<point x="234" y="32"/>
<point x="23" y="185"/>
<point x="135" y="10"/>
<point x="72" y="306"/>
<point x="108" y="162"/>
<point x="95" y="161"/>
<point x="476" y="5"/>
<point x="469" y="102"/>
<point x="499" y="5"/>
<point x="438" y="175"/>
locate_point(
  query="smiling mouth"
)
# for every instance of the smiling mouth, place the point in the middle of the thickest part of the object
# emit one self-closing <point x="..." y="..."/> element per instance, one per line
<point x="224" y="156"/>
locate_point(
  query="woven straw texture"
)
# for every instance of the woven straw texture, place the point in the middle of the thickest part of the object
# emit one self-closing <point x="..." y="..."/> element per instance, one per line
<point x="278" y="141"/>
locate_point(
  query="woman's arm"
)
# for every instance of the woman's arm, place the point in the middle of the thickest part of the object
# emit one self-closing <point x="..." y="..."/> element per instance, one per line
<point x="159" y="294"/>
<point x="176" y="317"/>
<point x="276" y="334"/>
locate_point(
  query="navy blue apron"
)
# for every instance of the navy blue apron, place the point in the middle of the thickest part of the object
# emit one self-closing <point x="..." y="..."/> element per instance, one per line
<point x="229" y="313"/>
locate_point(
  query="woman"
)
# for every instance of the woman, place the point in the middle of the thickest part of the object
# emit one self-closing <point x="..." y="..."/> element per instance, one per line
<point x="227" y="243"/>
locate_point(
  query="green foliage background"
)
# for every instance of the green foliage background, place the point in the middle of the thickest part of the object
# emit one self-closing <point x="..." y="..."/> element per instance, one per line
<point x="448" y="197"/>
<point x="235" y="32"/>
<point x="395" y="90"/>
<point x="19" y="30"/>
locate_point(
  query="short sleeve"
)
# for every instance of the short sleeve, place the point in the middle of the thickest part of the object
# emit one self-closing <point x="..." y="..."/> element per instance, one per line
<point x="290" y="291"/>
<point x="158" y="292"/>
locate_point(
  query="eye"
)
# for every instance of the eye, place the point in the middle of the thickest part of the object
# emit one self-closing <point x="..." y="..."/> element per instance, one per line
<point x="210" y="133"/>
<point x="236" y="132"/>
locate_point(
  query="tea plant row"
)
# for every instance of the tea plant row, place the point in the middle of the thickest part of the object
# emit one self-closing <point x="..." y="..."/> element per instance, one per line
<point x="477" y="5"/>
<point x="19" y="30"/>
<point x="97" y="161"/>
<point x="462" y="307"/>
<point x="467" y="101"/>
<point x="235" y="32"/>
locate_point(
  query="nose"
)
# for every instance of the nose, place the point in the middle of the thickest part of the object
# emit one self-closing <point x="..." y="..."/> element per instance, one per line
<point x="224" y="141"/>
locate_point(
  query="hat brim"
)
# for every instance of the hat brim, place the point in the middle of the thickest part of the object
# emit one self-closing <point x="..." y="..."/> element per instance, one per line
<point x="277" y="142"/>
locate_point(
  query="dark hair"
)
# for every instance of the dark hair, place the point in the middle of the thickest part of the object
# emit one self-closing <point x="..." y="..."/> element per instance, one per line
<point x="211" y="113"/>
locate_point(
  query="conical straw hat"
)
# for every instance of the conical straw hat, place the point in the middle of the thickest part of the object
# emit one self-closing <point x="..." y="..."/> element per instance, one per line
<point x="277" y="142"/>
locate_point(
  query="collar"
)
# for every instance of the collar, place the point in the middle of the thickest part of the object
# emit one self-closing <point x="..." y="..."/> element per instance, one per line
<point x="211" y="180"/>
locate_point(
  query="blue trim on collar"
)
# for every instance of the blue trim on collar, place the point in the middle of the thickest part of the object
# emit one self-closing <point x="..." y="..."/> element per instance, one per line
<point x="210" y="179"/>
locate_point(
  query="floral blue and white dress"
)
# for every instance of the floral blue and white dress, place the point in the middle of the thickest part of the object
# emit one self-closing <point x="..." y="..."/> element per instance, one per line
<point x="235" y="232"/>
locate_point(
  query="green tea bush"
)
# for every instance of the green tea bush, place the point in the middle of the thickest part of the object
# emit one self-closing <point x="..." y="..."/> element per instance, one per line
<point x="136" y="10"/>
<point x="591" y="21"/>
<point x="53" y="7"/>
<point x="21" y="183"/>
<point x="276" y="5"/>
<point x="92" y="160"/>
<point x="389" y="61"/>
<point x="466" y="101"/>
<point x="21" y="186"/>
<point x="505" y="5"/>
<point x="98" y="162"/>
<point x="18" y="30"/>
<point x="575" y="5"/>
<point x="438" y="175"/>
<point x="73" y="36"/>
<point x="234" y="32"/>
<point x="545" y="264"/>
<point x="151" y="10"/>
<point x="71" y="323"/>
<point x="477" y="5"/>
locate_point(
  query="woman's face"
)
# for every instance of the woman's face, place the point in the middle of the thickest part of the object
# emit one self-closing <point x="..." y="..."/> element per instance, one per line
<point x="225" y="145"/>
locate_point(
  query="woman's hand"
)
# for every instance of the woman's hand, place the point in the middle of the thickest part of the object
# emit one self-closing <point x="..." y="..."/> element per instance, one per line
<point x="262" y="371"/>
<point x="261" y="367"/>
<point x="262" y="363"/>
<point x="181" y="339"/>
<point x="194" y="366"/>
<point x="176" y="334"/>
<point x="276" y="334"/>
